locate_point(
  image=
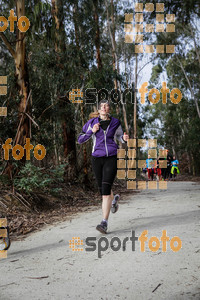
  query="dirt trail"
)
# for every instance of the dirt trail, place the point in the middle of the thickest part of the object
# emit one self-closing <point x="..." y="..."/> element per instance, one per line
<point x="44" y="267"/>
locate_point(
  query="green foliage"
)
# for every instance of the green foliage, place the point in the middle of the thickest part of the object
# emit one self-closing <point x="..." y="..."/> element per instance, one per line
<point x="58" y="173"/>
<point x="51" y="75"/>
<point x="32" y="178"/>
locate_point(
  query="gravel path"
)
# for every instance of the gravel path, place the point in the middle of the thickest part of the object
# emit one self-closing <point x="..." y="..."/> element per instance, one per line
<point x="43" y="266"/>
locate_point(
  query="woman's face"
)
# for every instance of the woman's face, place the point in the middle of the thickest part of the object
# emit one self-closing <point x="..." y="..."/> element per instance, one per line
<point x="104" y="108"/>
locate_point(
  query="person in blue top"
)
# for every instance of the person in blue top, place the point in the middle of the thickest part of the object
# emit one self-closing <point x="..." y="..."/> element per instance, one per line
<point x="174" y="168"/>
<point x="149" y="167"/>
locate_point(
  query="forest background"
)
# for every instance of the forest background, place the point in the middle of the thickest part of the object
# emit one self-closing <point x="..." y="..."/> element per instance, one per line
<point x="80" y="45"/>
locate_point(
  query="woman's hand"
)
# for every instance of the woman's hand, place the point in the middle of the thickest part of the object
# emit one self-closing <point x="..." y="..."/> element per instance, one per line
<point x="125" y="137"/>
<point x="95" y="127"/>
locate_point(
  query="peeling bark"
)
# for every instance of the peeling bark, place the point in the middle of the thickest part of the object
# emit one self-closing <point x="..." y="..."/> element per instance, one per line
<point x="22" y="77"/>
<point x="21" y="74"/>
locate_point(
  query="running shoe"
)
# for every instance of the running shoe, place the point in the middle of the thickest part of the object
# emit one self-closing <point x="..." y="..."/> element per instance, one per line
<point x="102" y="227"/>
<point x="115" y="207"/>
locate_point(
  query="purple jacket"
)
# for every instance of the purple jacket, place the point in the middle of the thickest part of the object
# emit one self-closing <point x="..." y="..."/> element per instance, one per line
<point x="104" y="142"/>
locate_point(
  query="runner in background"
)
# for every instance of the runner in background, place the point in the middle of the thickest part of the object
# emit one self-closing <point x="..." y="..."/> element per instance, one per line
<point x="174" y="168"/>
<point x="149" y="167"/>
<point x="159" y="173"/>
<point x="163" y="170"/>
<point x="168" y="170"/>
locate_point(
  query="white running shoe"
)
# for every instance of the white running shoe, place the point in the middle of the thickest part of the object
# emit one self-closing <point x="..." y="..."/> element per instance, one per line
<point x="115" y="206"/>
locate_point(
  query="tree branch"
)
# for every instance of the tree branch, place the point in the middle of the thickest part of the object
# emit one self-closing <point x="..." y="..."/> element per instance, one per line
<point x="195" y="44"/>
<point x="8" y="45"/>
<point x="19" y="40"/>
<point x="145" y="65"/>
<point x="190" y="87"/>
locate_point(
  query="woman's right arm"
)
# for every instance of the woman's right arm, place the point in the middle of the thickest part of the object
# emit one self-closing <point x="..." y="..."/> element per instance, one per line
<point x="86" y="133"/>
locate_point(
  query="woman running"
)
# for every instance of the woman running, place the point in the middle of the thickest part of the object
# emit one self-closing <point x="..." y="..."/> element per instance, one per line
<point x="104" y="130"/>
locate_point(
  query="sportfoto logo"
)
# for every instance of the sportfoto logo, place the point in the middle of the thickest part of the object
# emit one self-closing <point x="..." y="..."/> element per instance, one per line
<point x="18" y="151"/>
<point x="154" y="243"/>
<point x="23" y="23"/>
<point x="164" y="91"/>
<point x="140" y="27"/>
<point x="91" y="95"/>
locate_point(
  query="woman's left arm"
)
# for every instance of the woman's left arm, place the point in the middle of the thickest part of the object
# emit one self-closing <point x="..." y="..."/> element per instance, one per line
<point x="119" y="135"/>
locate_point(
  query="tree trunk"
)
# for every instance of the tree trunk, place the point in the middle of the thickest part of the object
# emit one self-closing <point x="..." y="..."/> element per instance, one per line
<point x="97" y="34"/>
<point x="22" y="81"/>
<point x="135" y="100"/>
<point x="189" y="162"/>
<point x="21" y="74"/>
<point x="22" y="77"/>
<point x="85" y="156"/>
<point x="53" y="123"/>
<point x="115" y="61"/>
<point x="114" y="43"/>
<point x="68" y="128"/>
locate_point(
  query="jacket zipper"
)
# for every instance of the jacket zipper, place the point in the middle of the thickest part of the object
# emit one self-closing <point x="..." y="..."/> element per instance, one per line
<point x="105" y="131"/>
<point x="105" y="142"/>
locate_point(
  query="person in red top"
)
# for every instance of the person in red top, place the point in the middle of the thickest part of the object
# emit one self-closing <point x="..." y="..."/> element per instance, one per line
<point x="159" y="173"/>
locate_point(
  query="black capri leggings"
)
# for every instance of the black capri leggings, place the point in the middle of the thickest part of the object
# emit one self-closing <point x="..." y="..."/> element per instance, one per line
<point x="105" y="170"/>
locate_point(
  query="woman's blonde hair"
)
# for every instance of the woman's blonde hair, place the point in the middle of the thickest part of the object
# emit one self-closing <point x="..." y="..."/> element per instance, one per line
<point x="94" y="114"/>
